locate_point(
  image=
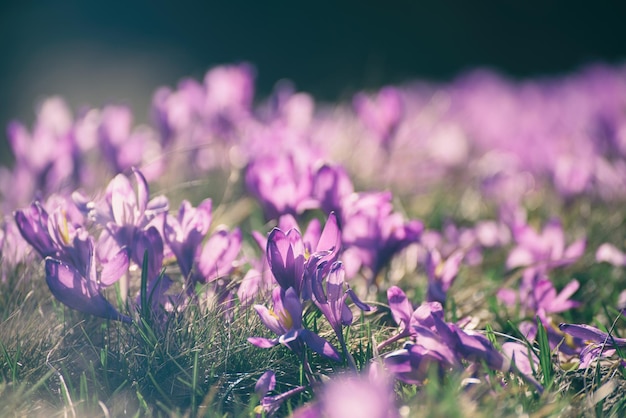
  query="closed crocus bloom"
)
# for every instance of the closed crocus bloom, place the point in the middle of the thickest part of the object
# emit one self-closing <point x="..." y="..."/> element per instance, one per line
<point x="331" y="300"/>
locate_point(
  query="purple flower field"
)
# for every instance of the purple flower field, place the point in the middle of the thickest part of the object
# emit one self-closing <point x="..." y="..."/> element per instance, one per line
<point x="426" y="249"/>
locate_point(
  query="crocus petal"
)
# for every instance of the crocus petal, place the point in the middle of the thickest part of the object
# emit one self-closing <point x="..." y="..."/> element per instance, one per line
<point x="142" y="191"/>
<point x="263" y="342"/>
<point x="122" y="200"/>
<point x="330" y="239"/>
<point x="269" y="319"/>
<point x="293" y="307"/>
<point x="218" y="254"/>
<point x="361" y="305"/>
<point x="290" y="336"/>
<point x="32" y="224"/>
<point x="575" y="250"/>
<point x="320" y="345"/>
<point x="518" y="354"/>
<point x="400" y="306"/>
<point x="346" y="315"/>
<point x="114" y="268"/>
<point x="335" y="281"/>
<point x="266" y="383"/>
<point x="562" y="301"/>
<point x="68" y="286"/>
<point x="610" y="254"/>
<point x="589" y="333"/>
<point x="519" y="257"/>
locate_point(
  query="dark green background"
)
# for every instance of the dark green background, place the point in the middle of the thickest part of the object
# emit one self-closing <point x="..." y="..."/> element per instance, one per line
<point x="95" y="52"/>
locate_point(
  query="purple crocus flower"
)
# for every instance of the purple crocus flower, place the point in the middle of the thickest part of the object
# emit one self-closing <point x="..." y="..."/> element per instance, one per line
<point x="185" y="232"/>
<point x="285" y="320"/>
<point x="611" y="254"/>
<point x="271" y="403"/>
<point x="441" y="274"/>
<point x="32" y="223"/>
<point x="373" y="233"/>
<point x="352" y="395"/>
<point x="332" y="302"/>
<point x="544" y="251"/>
<point x="218" y="255"/>
<point x="382" y="114"/>
<point x="54" y="236"/>
<point x="124" y="147"/>
<point x="331" y="185"/>
<point x="125" y="214"/>
<point x="599" y="344"/>
<point x="184" y="235"/>
<point x="293" y="262"/>
<point x="77" y="284"/>
<point x="408" y="318"/>
<point x="537" y="295"/>
<point x="281" y="183"/>
<point x="45" y="158"/>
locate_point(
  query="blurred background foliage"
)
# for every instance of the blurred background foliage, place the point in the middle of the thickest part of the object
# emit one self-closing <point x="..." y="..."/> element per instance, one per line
<point x="94" y="53"/>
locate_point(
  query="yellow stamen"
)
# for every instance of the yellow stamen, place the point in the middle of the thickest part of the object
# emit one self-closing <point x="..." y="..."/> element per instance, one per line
<point x="439" y="270"/>
<point x="65" y="231"/>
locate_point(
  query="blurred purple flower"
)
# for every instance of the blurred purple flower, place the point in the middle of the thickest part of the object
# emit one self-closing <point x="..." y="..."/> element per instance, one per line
<point x="281" y="183"/>
<point x="372" y="233"/>
<point x="537" y="295"/>
<point x="545" y="250"/>
<point x="610" y="254"/>
<point x="331" y="185"/>
<point x="185" y="232"/>
<point x="441" y="274"/>
<point x="598" y="343"/>
<point x="124" y="147"/>
<point x="353" y="396"/>
<point x="382" y="114"/>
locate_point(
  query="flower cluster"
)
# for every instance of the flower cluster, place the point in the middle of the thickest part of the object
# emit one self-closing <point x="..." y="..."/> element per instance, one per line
<point x="319" y="219"/>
